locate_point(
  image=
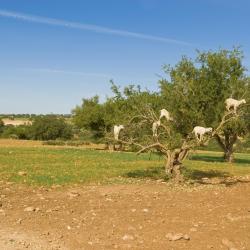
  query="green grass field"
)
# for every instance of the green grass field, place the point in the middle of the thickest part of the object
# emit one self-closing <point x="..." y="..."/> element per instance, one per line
<point x="48" y="166"/>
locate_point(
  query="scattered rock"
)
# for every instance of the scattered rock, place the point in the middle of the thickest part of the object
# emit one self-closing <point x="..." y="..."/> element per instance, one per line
<point x="145" y="210"/>
<point x="193" y="229"/>
<point x="128" y="237"/>
<point x="229" y="244"/>
<point x="233" y="218"/>
<point x="205" y="178"/>
<point x="19" y="221"/>
<point x="186" y="237"/>
<point x="73" y="194"/>
<point x="29" y="209"/>
<point x="2" y="212"/>
<point x="22" y="173"/>
<point x="178" y="236"/>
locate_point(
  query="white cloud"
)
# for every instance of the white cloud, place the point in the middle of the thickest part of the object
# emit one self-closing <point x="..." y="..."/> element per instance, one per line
<point x="88" y="27"/>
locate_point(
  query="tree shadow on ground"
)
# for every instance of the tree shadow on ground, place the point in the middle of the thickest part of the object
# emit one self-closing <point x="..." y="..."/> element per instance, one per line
<point x="151" y="173"/>
<point x="203" y="177"/>
<point x="213" y="177"/>
<point x="212" y="158"/>
<point x="195" y="174"/>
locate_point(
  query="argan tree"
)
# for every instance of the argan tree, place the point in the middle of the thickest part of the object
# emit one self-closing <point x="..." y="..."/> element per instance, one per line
<point x="170" y="139"/>
<point x="197" y="89"/>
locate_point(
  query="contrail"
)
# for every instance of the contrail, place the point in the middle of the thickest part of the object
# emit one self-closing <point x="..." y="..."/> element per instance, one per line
<point x="88" y="27"/>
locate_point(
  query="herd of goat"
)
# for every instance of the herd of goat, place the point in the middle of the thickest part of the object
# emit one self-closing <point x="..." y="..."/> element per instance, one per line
<point x="199" y="132"/>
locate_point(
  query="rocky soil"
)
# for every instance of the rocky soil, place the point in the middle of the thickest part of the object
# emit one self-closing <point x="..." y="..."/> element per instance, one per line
<point x="151" y="215"/>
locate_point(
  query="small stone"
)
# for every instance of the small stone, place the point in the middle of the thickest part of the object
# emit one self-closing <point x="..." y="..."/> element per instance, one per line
<point x="73" y="194"/>
<point x="226" y="242"/>
<point x="178" y="236"/>
<point x="145" y="210"/>
<point x="133" y="210"/>
<point x="174" y="237"/>
<point x="19" y="221"/>
<point x="2" y="212"/>
<point x="186" y="237"/>
<point x="193" y="229"/>
<point x="127" y="237"/>
<point x="22" y="173"/>
<point x="29" y="209"/>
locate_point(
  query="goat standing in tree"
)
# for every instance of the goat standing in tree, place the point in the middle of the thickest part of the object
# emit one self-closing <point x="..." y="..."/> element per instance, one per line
<point x="155" y="127"/>
<point x="232" y="103"/>
<point x="201" y="131"/>
<point x="166" y="114"/>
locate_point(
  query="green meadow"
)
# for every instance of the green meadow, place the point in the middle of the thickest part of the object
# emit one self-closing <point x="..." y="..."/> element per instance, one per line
<point x="63" y="166"/>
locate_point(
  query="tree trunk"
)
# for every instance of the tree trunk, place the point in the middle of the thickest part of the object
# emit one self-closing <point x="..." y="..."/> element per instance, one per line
<point x="227" y="144"/>
<point x="173" y="167"/>
<point x="228" y="156"/>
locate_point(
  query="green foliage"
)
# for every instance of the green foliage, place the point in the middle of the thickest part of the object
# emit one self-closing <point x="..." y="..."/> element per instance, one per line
<point x="100" y="118"/>
<point x="50" y="128"/>
<point x="194" y="94"/>
<point x="197" y="90"/>
<point x="90" y="115"/>
<point x="18" y="132"/>
<point x="1" y="126"/>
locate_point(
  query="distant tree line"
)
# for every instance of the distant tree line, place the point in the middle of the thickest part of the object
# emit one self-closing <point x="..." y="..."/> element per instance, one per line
<point x="46" y="127"/>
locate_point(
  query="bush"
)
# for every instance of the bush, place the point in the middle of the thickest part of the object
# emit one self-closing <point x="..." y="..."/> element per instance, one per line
<point x="50" y="128"/>
<point x="1" y="126"/>
<point x="19" y="132"/>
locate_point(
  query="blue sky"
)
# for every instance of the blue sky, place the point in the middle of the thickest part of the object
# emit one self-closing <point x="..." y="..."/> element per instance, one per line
<point x="54" y="53"/>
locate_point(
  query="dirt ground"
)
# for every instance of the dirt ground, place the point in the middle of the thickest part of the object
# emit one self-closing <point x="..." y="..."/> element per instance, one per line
<point x="151" y="215"/>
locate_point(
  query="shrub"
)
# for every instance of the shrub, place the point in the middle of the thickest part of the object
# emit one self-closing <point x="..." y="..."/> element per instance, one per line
<point x="19" y="132"/>
<point x="50" y="128"/>
<point x="1" y="126"/>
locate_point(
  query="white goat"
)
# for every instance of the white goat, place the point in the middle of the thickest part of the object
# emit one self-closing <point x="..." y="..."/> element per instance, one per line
<point x="166" y="114"/>
<point x="200" y="131"/>
<point x="117" y="130"/>
<point x="232" y="103"/>
<point x="155" y="127"/>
